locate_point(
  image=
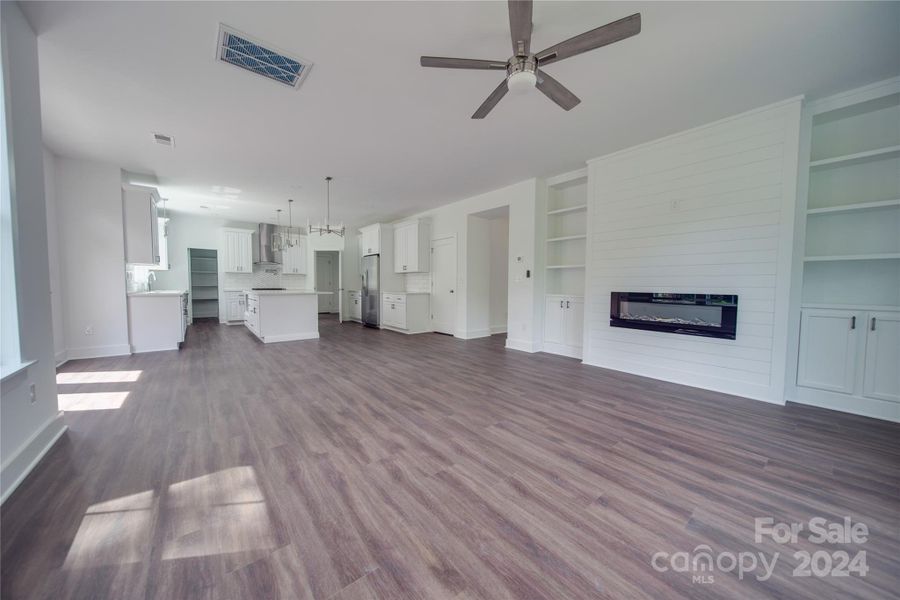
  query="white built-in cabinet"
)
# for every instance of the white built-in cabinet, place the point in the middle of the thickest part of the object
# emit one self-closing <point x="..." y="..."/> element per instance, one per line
<point x="141" y="222"/>
<point x="370" y="239"/>
<point x="237" y="250"/>
<point x="412" y="246"/>
<point x="850" y="352"/>
<point x="564" y="324"/>
<point x="294" y="258"/>
<point x="235" y="306"/>
<point x="406" y="313"/>
<point x="847" y="297"/>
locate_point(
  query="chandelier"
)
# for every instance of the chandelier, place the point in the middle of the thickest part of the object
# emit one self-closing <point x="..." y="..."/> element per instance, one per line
<point x="285" y="239"/>
<point x="327" y="228"/>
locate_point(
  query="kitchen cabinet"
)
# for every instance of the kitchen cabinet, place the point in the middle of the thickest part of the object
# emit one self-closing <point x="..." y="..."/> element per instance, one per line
<point x="141" y="223"/>
<point x="412" y="247"/>
<point x="294" y="258"/>
<point x="370" y="237"/>
<point x="564" y="325"/>
<point x="354" y="301"/>
<point x="828" y="349"/>
<point x="237" y="250"/>
<point x="406" y="312"/>
<point x="156" y="320"/>
<point x="851" y="353"/>
<point x="235" y="306"/>
<point x="882" y="363"/>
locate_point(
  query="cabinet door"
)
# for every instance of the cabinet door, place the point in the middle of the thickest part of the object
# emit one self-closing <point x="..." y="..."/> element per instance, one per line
<point x="554" y="320"/>
<point x="882" y="372"/>
<point x="401" y="249"/>
<point x="574" y="321"/>
<point x="411" y="250"/>
<point x="154" y="232"/>
<point x="828" y="349"/>
<point x="246" y="252"/>
<point x="229" y="252"/>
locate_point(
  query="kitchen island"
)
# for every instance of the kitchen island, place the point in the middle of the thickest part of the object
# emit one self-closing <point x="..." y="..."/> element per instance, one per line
<point x="282" y="315"/>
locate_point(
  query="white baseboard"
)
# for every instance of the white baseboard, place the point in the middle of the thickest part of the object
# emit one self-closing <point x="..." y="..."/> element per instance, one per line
<point x="98" y="351"/>
<point x="714" y="384"/>
<point x="476" y="333"/>
<point x="857" y="405"/>
<point x="291" y="337"/>
<point x="17" y="468"/>
<point x="562" y="350"/>
<point x="495" y="329"/>
<point x="61" y="358"/>
<point x="522" y="345"/>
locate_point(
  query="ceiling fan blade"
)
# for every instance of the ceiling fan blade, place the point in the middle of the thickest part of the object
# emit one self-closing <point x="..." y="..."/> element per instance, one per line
<point x="590" y="40"/>
<point x="520" y="26"/>
<point x="461" y="63"/>
<point x="556" y="91"/>
<point x="491" y="101"/>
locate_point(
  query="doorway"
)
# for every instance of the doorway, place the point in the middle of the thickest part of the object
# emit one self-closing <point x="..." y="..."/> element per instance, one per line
<point x="487" y="272"/>
<point x="443" y="285"/>
<point x="328" y="276"/>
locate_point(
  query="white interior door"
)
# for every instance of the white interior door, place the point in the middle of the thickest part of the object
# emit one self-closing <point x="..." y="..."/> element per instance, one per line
<point x="326" y="281"/>
<point x="443" y="285"/>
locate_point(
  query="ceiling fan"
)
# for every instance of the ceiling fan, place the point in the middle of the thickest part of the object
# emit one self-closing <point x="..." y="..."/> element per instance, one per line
<point x="523" y="70"/>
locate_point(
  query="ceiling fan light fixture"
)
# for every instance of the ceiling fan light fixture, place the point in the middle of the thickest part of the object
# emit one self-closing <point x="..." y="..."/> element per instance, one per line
<point x="521" y="81"/>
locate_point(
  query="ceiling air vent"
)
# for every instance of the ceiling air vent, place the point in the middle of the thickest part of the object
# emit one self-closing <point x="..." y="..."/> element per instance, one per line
<point x="164" y="140"/>
<point x="261" y="58"/>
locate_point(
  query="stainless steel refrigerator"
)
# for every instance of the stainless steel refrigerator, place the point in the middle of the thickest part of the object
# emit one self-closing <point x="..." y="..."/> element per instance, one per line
<point x="370" y="290"/>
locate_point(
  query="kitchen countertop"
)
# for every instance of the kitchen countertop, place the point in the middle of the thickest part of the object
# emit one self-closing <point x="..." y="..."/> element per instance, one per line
<point x="285" y="292"/>
<point x="157" y="293"/>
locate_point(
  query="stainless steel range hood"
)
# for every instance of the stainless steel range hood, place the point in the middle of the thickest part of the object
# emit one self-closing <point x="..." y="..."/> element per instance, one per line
<point x="266" y="254"/>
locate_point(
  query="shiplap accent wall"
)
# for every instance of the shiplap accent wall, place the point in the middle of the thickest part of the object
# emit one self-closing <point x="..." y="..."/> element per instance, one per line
<point x="709" y="210"/>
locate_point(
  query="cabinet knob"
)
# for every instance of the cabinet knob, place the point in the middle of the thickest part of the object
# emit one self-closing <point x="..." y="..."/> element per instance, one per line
<point x="560" y="303"/>
<point x="567" y="304"/>
<point x="853" y="322"/>
<point x="873" y="323"/>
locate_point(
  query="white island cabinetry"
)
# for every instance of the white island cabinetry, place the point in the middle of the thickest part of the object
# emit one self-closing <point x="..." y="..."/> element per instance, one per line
<point x="282" y="315"/>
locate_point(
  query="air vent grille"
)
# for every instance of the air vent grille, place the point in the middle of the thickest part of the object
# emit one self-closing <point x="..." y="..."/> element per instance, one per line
<point x="242" y="51"/>
<point x="165" y="140"/>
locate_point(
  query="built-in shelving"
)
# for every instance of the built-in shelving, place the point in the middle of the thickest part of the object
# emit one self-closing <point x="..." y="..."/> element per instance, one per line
<point x="856" y="156"/>
<point x="559" y="211"/>
<point x="566" y="232"/>
<point x="834" y="258"/>
<point x="204" y="283"/>
<point x="852" y="229"/>
<point x="859" y="206"/>
<point x="567" y="238"/>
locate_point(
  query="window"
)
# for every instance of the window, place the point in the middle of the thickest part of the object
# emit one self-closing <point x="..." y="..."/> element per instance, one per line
<point x="10" y="359"/>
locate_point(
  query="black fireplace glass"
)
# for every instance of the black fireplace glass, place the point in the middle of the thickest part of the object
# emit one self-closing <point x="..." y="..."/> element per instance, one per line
<point x="708" y="315"/>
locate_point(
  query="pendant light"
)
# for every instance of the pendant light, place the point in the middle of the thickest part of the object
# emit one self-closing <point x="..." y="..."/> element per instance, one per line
<point x="327" y="228"/>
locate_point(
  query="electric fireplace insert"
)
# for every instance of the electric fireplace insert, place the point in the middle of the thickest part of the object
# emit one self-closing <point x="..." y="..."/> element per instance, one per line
<point x="708" y="315"/>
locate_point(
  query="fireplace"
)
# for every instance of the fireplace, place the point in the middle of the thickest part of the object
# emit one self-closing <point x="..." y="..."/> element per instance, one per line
<point x="708" y="315"/>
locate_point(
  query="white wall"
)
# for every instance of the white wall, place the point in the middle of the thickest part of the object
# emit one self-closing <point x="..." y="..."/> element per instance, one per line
<point x="91" y="257"/>
<point x="28" y="425"/>
<point x="499" y="262"/>
<point x="56" y="299"/>
<point x="709" y="210"/>
<point x="478" y="277"/>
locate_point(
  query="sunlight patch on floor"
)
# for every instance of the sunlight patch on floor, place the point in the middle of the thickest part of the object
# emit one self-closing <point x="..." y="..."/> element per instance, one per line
<point x="113" y="532"/>
<point x="98" y="377"/>
<point x="218" y="513"/>
<point x="92" y="401"/>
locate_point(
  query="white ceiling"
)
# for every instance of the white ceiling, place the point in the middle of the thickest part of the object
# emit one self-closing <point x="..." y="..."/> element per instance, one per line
<point x="397" y="137"/>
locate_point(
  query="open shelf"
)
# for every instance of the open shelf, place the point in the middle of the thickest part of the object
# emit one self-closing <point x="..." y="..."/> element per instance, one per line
<point x="855" y="157"/>
<point x="567" y="209"/>
<point x="836" y="258"/>
<point x="567" y="238"/>
<point x="565" y="266"/>
<point x="853" y="207"/>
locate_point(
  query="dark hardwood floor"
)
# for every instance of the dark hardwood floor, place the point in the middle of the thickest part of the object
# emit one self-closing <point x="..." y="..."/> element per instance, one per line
<point x="370" y="464"/>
